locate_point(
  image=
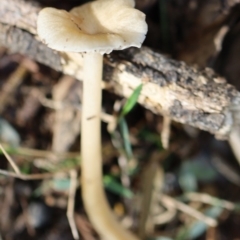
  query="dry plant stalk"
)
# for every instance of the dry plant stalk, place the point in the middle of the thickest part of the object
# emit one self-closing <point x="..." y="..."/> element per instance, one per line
<point x="171" y="202"/>
<point x="71" y="202"/>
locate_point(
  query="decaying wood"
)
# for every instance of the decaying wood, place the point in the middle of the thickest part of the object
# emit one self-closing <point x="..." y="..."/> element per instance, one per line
<point x="171" y="88"/>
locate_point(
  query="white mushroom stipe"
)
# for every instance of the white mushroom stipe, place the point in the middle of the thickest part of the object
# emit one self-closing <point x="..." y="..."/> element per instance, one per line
<point x="94" y="28"/>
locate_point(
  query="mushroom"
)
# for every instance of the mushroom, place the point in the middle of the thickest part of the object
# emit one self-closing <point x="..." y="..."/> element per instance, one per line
<point x="94" y="28"/>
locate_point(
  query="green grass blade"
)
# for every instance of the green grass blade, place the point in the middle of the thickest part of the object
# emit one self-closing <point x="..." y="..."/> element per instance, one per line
<point x="126" y="139"/>
<point x="114" y="186"/>
<point x="131" y="102"/>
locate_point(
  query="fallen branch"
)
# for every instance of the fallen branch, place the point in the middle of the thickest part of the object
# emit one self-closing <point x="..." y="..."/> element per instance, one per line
<point x="199" y="98"/>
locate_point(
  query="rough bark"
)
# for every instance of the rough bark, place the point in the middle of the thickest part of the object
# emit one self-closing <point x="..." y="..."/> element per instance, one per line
<point x="171" y="88"/>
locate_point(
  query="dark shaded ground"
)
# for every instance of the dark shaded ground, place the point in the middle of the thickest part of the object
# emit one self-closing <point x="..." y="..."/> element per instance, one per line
<point x="199" y="32"/>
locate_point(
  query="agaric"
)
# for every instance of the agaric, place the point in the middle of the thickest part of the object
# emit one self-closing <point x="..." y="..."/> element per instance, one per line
<point x="94" y="28"/>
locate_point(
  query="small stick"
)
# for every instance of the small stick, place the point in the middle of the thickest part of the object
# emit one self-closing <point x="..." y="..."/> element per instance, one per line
<point x="207" y="199"/>
<point x="166" y="200"/>
<point x="165" y="134"/>
<point x="152" y="184"/>
<point x="18" y="173"/>
<point x="10" y="160"/>
<point x="71" y="203"/>
<point x="25" y="176"/>
<point x="31" y="152"/>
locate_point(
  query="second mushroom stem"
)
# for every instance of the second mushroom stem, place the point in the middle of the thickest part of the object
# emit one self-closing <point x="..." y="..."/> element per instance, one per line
<point x="93" y="195"/>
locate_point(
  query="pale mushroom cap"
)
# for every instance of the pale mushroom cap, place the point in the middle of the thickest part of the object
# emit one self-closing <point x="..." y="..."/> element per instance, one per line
<point x="99" y="26"/>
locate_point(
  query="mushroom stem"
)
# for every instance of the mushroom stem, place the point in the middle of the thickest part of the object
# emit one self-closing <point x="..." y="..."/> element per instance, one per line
<point x="93" y="195"/>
